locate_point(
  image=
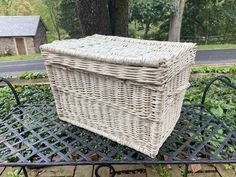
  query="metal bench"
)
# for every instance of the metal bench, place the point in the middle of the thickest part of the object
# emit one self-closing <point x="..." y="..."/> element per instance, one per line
<point x="33" y="136"/>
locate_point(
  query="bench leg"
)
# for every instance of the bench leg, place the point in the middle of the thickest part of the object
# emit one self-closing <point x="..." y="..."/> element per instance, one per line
<point x="92" y="171"/>
<point x="24" y="172"/>
<point x="186" y="170"/>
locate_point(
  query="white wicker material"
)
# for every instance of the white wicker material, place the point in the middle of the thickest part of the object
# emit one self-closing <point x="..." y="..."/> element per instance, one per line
<point x="128" y="90"/>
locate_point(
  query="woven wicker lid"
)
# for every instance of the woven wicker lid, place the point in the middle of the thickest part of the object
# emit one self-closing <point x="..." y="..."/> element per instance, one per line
<point x="120" y="50"/>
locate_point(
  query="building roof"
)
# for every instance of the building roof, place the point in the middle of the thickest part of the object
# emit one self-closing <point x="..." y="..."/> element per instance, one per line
<point x="19" y="26"/>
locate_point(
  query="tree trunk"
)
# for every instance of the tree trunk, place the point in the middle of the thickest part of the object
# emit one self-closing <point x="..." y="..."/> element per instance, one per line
<point x="176" y="21"/>
<point x="206" y="38"/>
<point x="147" y="28"/>
<point x="54" y="22"/>
<point x="118" y="10"/>
<point x="94" y="16"/>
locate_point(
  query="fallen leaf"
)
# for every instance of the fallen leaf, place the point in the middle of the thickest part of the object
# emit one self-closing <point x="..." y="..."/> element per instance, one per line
<point x="95" y="157"/>
<point x="196" y="167"/>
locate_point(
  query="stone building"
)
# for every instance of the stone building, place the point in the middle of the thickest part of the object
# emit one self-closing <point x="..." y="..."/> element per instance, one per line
<point x="21" y="35"/>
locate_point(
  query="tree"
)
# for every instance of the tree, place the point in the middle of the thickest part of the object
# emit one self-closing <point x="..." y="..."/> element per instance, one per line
<point x="54" y="12"/>
<point x="95" y="16"/>
<point x="5" y="6"/>
<point x="16" y="7"/>
<point x="229" y="12"/>
<point x="176" y="20"/>
<point x="69" y="20"/>
<point x="150" y="12"/>
<point x="118" y="12"/>
<point x="205" y="18"/>
<point x="41" y="9"/>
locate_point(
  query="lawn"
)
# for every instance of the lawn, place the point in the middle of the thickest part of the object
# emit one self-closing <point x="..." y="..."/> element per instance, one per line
<point x="20" y="57"/>
<point x="214" y="69"/>
<point x="216" y="46"/>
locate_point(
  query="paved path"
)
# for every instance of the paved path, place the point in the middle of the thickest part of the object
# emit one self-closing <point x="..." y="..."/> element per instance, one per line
<point x="216" y="56"/>
<point x="12" y="68"/>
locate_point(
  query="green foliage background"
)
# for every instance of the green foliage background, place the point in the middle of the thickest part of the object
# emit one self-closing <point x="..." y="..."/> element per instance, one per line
<point x="221" y="99"/>
<point x="204" y="21"/>
<point x="210" y="21"/>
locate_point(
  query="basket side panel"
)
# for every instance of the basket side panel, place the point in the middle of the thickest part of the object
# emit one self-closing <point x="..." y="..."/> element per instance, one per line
<point x="117" y="109"/>
<point x="170" y="108"/>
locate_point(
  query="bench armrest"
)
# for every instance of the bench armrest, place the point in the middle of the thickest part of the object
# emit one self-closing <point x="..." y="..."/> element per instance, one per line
<point x="12" y="89"/>
<point x="223" y="79"/>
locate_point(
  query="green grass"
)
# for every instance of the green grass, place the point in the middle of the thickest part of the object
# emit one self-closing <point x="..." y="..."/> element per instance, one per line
<point x="32" y="75"/>
<point x="217" y="46"/>
<point x="215" y="69"/>
<point x="20" y="57"/>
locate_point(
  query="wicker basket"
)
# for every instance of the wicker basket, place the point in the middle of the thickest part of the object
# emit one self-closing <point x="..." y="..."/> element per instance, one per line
<point x="128" y="90"/>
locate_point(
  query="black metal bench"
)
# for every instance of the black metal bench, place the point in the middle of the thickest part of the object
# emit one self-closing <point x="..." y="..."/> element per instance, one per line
<point x="33" y="136"/>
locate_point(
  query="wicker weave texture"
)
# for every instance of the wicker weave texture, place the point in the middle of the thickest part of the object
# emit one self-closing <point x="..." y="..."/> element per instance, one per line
<point x="120" y="50"/>
<point x="136" y="106"/>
